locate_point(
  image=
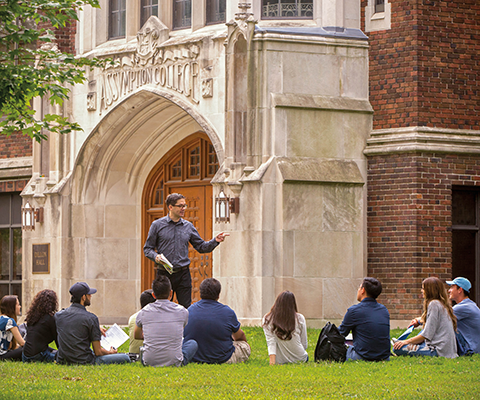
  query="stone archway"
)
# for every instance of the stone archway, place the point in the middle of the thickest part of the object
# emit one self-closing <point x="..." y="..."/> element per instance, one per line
<point x="106" y="190"/>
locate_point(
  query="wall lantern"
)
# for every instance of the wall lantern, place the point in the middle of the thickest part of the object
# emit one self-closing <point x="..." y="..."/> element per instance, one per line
<point x="31" y="215"/>
<point x="222" y="210"/>
<point x="224" y="206"/>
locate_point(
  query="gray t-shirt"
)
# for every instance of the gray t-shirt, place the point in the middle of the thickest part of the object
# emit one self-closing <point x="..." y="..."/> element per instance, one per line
<point x="162" y="323"/>
<point x="438" y="331"/>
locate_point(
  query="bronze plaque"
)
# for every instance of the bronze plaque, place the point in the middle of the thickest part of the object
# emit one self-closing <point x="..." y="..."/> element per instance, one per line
<point x="41" y="258"/>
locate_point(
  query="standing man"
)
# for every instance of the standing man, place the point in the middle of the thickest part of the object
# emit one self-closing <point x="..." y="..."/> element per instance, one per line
<point x="466" y="311"/>
<point x="77" y="329"/>
<point x="170" y="236"/>
<point x="369" y="322"/>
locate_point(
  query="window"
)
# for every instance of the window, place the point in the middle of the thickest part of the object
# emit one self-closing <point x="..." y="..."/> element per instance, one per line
<point x="287" y="9"/>
<point x="465" y="236"/>
<point x="11" y="244"/>
<point x="149" y="8"/>
<point x="117" y="12"/>
<point x="378" y="15"/>
<point x="216" y="11"/>
<point x="379" y="6"/>
<point x="182" y="14"/>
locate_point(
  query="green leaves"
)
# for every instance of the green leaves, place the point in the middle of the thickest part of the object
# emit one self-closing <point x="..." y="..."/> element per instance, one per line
<point x="28" y="70"/>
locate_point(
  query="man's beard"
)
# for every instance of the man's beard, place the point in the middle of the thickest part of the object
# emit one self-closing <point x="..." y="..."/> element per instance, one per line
<point x="86" y="303"/>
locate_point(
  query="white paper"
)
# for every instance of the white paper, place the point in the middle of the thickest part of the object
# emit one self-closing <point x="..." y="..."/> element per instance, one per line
<point x="114" y="337"/>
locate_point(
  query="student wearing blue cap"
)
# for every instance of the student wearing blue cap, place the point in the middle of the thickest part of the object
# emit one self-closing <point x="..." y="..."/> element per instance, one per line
<point x="466" y="311"/>
<point x="77" y="329"/>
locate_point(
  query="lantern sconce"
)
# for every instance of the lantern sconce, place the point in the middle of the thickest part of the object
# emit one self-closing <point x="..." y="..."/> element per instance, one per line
<point x="30" y="215"/>
<point x="224" y="206"/>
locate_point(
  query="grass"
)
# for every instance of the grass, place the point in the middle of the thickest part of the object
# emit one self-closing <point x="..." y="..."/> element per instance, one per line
<point x="432" y="378"/>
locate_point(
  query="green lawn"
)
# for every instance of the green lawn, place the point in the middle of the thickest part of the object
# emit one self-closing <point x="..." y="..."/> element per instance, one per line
<point x="405" y="377"/>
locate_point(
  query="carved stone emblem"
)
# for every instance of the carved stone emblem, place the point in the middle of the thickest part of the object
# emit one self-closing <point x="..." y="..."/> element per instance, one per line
<point x="207" y="88"/>
<point x="92" y="101"/>
<point x="149" y="37"/>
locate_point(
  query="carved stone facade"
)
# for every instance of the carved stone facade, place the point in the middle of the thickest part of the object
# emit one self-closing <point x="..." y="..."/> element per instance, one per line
<point x="285" y="107"/>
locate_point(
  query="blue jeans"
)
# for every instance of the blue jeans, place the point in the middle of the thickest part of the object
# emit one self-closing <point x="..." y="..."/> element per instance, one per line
<point x="45" y="356"/>
<point x="189" y="348"/>
<point x="119" y="358"/>
<point x="354" y="356"/>
<point x="419" y="350"/>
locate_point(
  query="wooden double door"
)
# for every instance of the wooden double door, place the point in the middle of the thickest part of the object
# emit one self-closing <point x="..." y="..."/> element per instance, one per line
<point x="187" y="169"/>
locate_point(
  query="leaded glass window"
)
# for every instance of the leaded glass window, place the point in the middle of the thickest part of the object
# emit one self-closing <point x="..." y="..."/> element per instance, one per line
<point x="10" y="245"/>
<point x="149" y="8"/>
<point x="216" y="11"/>
<point x="287" y="9"/>
<point x="182" y="14"/>
<point x="379" y="6"/>
<point x="117" y="15"/>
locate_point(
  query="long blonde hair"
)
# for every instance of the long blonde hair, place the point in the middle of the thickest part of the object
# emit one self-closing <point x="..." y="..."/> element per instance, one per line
<point x="434" y="289"/>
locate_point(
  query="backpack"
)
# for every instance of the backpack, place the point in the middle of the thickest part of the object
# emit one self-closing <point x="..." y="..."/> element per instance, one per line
<point x="330" y="345"/>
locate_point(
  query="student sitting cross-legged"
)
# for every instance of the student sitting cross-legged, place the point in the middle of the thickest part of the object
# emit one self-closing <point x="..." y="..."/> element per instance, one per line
<point x="41" y="328"/>
<point x="134" y="345"/>
<point x="466" y="311"/>
<point x="216" y="329"/>
<point x="160" y="325"/>
<point x="77" y="329"/>
<point x="11" y="341"/>
<point x="438" y="335"/>
<point x="369" y="322"/>
<point x="286" y="331"/>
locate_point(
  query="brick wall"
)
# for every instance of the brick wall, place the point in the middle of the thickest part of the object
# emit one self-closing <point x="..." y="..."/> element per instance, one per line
<point x="18" y="145"/>
<point x="409" y="222"/>
<point x="424" y="70"/>
<point x="15" y="145"/>
<point x="65" y="36"/>
<point x="12" y="186"/>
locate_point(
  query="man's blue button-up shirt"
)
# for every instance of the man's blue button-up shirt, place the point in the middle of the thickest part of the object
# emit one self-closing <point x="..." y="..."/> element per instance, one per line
<point x="369" y="323"/>
<point x="172" y="239"/>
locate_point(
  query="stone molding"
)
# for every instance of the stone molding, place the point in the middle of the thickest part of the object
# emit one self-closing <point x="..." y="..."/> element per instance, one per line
<point x="418" y="139"/>
<point x="321" y="102"/>
<point x="312" y="170"/>
<point x="17" y="167"/>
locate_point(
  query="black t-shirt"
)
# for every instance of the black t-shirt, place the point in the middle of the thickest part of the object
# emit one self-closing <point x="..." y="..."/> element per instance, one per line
<point x="40" y="335"/>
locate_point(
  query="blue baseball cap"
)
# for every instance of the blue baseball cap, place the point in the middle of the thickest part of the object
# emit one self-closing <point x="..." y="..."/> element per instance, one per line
<point x="464" y="283"/>
<point x="80" y="288"/>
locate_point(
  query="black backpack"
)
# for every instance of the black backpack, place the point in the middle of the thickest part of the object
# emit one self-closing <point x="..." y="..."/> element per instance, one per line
<point x="331" y="345"/>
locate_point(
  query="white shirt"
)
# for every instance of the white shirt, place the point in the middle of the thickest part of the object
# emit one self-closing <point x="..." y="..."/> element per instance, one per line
<point x="288" y="351"/>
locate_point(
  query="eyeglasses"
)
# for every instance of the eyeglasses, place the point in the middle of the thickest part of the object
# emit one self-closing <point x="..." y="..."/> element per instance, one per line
<point x="180" y="205"/>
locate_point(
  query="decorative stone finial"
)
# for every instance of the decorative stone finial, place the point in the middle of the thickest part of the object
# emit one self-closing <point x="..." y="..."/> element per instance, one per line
<point x="244" y="14"/>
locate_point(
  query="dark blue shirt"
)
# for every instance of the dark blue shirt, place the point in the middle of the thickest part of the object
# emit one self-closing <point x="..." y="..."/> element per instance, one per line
<point x="172" y="238"/>
<point x="211" y="324"/>
<point x="369" y="323"/>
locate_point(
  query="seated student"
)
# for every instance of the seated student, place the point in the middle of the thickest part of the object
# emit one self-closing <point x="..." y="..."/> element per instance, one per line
<point x="160" y="325"/>
<point x="134" y="346"/>
<point x="215" y="327"/>
<point x="286" y="331"/>
<point x="438" y="335"/>
<point x="11" y="341"/>
<point x="466" y="311"/>
<point x="369" y="323"/>
<point x="41" y="328"/>
<point x="77" y="329"/>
